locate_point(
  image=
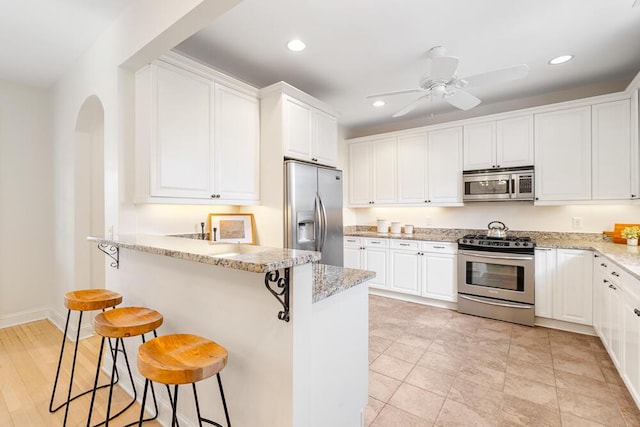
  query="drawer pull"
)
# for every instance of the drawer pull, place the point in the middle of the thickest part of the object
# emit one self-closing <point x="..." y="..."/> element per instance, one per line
<point x="439" y="247"/>
<point x="404" y="244"/>
<point x="375" y="243"/>
<point x="596" y="256"/>
<point x="637" y="312"/>
<point x="603" y="265"/>
<point x="605" y="281"/>
<point x="613" y="273"/>
<point x="612" y="287"/>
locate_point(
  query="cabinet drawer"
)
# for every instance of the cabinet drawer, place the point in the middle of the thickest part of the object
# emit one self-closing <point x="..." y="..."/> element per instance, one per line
<point x="353" y="241"/>
<point x="376" y="243"/>
<point x="405" y="244"/>
<point x="439" y="247"/>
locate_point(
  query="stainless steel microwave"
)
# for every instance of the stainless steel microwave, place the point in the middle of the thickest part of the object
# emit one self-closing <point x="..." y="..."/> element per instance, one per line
<point x="498" y="184"/>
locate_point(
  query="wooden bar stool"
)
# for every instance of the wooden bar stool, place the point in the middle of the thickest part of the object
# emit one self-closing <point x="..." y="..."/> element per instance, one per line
<point x="120" y="323"/>
<point x="181" y="359"/>
<point x="80" y="300"/>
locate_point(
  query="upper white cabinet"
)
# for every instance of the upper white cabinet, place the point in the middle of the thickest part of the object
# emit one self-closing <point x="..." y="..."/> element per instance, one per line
<point x="499" y="143"/>
<point x="444" y="166"/>
<point x="192" y="133"/>
<point x="412" y="169"/>
<point x="295" y="125"/>
<point x="563" y="155"/>
<point x="309" y="134"/>
<point x="612" y="150"/>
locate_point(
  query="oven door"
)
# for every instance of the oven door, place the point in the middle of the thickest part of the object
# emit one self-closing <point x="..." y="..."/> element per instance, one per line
<point x="487" y="187"/>
<point x="499" y="275"/>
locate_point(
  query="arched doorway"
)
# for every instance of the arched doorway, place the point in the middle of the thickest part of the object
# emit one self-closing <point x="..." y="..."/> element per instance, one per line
<point x="89" y="203"/>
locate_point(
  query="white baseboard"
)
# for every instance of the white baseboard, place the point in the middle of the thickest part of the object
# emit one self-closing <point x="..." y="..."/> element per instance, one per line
<point x="565" y="326"/>
<point x="413" y="298"/>
<point x="86" y="329"/>
<point x="14" y="319"/>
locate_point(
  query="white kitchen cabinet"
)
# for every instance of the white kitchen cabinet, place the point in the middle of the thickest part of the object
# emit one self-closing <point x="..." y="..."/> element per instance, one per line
<point x="309" y="133"/>
<point x="499" y="144"/>
<point x="573" y="293"/>
<point x="372" y="177"/>
<point x="545" y="275"/>
<point x="191" y="135"/>
<point x="412" y="171"/>
<point x="236" y="142"/>
<point x="631" y="342"/>
<point x="368" y="254"/>
<point x="608" y="291"/>
<point x="405" y="269"/>
<point x="444" y="166"/>
<point x="611" y="148"/>
<point x="439" y="271"/>
<point x="563" y="155"/>
<point x="352" y="252"/>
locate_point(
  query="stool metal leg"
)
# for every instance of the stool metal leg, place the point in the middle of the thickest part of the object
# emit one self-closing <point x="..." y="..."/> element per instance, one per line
<point x="174" y="405"/>
<point x="224" y="404"/>
<point x="95" y="383"/>
<point x="224" y="401"/>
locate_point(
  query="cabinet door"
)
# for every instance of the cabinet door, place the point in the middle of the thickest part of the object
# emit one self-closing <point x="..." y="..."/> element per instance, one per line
<point x="352" y="257"/>
<point x="236" y="141"/>
<point x="404" y="269"/>
<point x="384" y="171"/>
<point x="360" y="174"/>
<point x="480" y="146"/>
<point x="573" y="294"/>
<point x="514" y="142"/>
<point x="412" y="158"/>
<point x="325" y="139"/>
<point x="611" y="127"/>
<point x="439" y="277"/>
<point x="181" y="147"/>
<point x="615" y="322"/>
<point x="631" y="343"/>
<point x="545" y="270"/>
<point x="376" y="260"/>
<point x="599" y="300"/>
<point x="297" y="128"/>
<point x="563" y="155"/>
<point x="444" y="166"/>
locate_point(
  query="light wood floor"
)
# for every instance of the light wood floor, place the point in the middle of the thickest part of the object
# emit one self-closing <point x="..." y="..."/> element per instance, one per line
<point x="28" y="360"/>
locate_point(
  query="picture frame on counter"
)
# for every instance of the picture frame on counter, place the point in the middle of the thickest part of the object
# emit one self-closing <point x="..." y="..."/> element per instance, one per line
<point x="232" y="228"/>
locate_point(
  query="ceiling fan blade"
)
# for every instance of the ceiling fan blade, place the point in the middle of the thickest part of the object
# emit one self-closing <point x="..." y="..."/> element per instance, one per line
<point x="409" y="107"/>
<point x="498" y="76"/>
<point x="396" y="92"/>
<point x="462" y="100"/>
<point x="443" y="68"/>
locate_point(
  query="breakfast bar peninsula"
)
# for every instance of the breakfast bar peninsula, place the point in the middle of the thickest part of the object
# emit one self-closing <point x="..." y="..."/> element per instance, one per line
<point x="295" y="329"/>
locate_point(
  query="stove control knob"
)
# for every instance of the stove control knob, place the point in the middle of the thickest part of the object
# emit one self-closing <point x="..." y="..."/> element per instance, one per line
<point x="525" y="244"/>
<point x="471" y="241"/>
<point x="464" y="240"/>
<point x="517" y="243"/>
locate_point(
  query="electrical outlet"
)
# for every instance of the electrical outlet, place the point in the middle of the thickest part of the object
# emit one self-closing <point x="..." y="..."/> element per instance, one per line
<point x="577" y="222"/>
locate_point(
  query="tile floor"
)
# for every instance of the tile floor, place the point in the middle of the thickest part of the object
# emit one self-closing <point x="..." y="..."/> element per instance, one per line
<point x="431" y="366"/>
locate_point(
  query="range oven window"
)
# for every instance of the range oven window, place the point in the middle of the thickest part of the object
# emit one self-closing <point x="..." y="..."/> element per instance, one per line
<point x="500" y="276"/>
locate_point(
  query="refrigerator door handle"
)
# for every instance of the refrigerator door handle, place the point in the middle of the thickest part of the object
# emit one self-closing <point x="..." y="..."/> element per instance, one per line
<point x="323" y="224"/>
<point x="318" y="223"/>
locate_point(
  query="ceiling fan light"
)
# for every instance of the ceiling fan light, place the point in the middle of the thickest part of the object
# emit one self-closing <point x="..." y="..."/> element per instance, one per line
<point x="378" y="104"/>
<point x="296" y="45"/>
<point x="560" y="59"/>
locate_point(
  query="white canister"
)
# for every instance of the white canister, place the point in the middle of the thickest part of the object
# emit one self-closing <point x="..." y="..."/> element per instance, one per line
<point x="408" y="229"/>
<point x="395" y="228"/>
<point x="383" y="226"/>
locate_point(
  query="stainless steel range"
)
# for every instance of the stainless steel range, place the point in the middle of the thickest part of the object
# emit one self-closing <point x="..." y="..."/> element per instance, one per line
<point x="496" y="277"/>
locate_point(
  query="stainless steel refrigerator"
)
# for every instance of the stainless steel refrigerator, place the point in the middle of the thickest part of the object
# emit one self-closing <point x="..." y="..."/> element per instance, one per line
<point x="313" y="210"/>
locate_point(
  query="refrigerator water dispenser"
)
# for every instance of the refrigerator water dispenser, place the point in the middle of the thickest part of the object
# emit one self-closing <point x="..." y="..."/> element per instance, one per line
<point x="306" y="227"/>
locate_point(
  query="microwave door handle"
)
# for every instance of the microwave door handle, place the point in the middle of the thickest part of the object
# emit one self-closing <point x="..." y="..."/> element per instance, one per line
<point x="514" y="191"/>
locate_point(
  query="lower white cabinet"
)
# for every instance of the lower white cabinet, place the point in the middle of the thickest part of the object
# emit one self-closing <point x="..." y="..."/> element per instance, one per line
<point x="406" y="266"/>
<point x="630" y="317"/>
<point x="368" y="254"/>
<point x="564" y="285"/>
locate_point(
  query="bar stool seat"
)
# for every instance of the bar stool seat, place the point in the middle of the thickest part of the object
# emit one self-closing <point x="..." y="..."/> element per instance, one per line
<point x="80" y="300"/>
<point x="182" y="359"/>
<point x="121" y="323"/>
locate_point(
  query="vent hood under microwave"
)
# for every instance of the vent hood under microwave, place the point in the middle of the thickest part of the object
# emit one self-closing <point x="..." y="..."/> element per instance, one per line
<point x="498" y="185"/>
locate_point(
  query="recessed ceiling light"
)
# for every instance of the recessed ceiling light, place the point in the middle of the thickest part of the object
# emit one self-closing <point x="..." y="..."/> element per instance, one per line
<point x="296" y="45"/>
<point x="379" y="104"/>
<point x="561" y="59"/>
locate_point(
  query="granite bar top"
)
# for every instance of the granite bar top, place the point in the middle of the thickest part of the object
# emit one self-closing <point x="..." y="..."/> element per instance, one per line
<point x="255" y="259"/>
<point x="329" y="280"/>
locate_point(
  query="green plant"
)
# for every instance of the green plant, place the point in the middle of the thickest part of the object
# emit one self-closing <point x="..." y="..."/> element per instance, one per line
<point x="631" y="232"/>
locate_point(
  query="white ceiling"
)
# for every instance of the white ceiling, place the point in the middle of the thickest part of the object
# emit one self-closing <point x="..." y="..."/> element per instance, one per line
<point x="359" y="47"/>
<point x="41" y="38"/>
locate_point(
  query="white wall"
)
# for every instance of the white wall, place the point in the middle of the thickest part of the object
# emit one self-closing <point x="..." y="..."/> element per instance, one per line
<point x="25" y="203"/>
<point x="516" y="215"/>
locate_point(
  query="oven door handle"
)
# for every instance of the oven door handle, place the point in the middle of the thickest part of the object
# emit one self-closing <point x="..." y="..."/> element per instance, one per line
<point x="517" y="258"/>
<point x="500" y="304"/>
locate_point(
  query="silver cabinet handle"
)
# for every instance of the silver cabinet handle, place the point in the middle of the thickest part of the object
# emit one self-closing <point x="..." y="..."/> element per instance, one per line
<point x="500" y="304"/>
<point x="439" y="247"/>
<point x="613" y="273"/>
<point x="612" y="287"/>
<point x="496" y="257"/>
<point x="603" y="265"/>
<point x="637" y="312"/>
<point x="404" y="244"/>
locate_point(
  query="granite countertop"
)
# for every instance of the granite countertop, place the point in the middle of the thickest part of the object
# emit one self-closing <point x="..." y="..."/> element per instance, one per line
<point x="329" y="280"/>
<point x="255" y="259"/>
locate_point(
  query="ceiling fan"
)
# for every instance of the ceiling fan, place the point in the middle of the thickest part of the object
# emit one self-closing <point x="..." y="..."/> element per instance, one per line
<point x="444" y="83"/>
